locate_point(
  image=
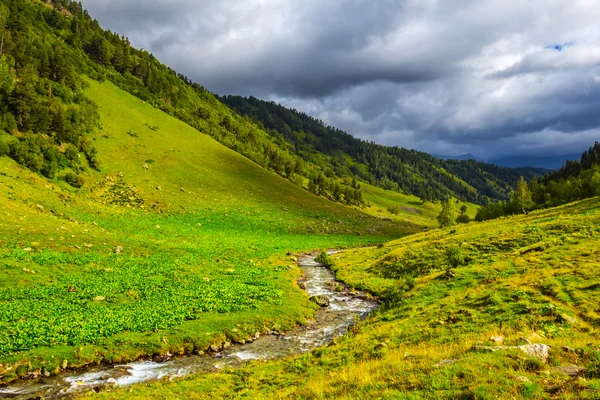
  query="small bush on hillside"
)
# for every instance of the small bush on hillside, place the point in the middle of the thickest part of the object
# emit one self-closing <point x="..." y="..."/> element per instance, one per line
<point x="463" y="219"/>
<point x="324" y="259"/>
<point x="455" y="257"/>
<point x="394" y="210"/>
<point x="74" y="179"/>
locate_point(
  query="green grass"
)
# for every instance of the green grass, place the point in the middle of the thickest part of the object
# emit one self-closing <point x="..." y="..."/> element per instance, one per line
<point x="411" y="209"/>
<point x="204" y="234"/>
<point x="535" y="276"/>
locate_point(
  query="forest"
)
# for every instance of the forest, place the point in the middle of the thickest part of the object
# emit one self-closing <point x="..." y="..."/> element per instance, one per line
<point x="576" y="180"/>
<point x="391" y="168"/>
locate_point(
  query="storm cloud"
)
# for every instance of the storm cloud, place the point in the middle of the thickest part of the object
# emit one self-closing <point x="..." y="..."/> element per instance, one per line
<point x="488" y="77"/>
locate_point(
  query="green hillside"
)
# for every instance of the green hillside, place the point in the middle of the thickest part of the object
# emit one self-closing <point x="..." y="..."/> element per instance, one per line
<point x="468" y="314"/>
<point x="47" y="121"/>
<point x="177" y="240"/>
<point x="409" y="171"/>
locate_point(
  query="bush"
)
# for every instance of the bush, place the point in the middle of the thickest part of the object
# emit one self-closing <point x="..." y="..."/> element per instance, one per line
<point x="74" y="179"/>
<point x="463" y="219"/>
<point x="395" y="210"/>
<point x="455" y="257"/>
<point x="4" y="146"/>
<point x="324" y="259"/>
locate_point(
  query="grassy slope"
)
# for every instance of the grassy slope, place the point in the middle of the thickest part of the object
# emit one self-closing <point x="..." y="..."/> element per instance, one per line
<point x="412" y="210"/>
<point x="517" y="276"/>
<point x="204" y="233"/>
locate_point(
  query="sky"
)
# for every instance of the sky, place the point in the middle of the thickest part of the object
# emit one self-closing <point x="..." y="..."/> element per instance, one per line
<point x="493" y="78"/>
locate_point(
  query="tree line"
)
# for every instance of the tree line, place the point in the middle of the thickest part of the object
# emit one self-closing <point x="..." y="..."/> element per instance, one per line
<point x="576" y="180"/>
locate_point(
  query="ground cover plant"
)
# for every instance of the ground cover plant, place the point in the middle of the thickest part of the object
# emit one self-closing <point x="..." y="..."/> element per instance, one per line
<point x="460" y="306"/>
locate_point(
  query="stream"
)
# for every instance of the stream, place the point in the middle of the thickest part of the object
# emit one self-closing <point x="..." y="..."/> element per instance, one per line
<point x="344" y="308"/>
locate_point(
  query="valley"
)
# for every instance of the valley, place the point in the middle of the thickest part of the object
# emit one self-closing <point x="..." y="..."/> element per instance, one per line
<point x="158" y="240"/>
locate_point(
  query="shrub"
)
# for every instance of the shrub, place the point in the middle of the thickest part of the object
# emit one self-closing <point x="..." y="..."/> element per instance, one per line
<point x="74" y="179"/>
<point x="455" y="257"/>
<point x="395" y="210"/>
<point x="463" y="219"/>
<point x="324" y="259"/>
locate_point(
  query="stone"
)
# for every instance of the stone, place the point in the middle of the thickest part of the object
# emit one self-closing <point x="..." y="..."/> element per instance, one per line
<point x="445" y="362"/>
<point x="99" y="298"/>
<point x="539" y="351"/>
<point x="302" y="285"/>
<point x="182" y="190"/>
<point x="161" y="358"/>
<point x="145" y="166"/>
<point x="39" y="206"/>
<point x="568" y="319"/>
<point x="214" y="348"/>
<point x="534" y="337"/>
<point x="118" y="250"/>
<point x="64" y="364"/>
<point x="497" y="339"/>
<point x="522" y="379"/>
<point x="320" y="300"/>
<point x="158" y="188"/>
<point x="570" y="370"/>
<point x="257" y="335"/>
<point x="45" y="372"/>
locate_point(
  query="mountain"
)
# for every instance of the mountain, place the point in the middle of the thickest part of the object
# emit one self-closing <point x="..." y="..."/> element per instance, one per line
<point x="548" y="163"/>
<point x="410" y="171"/>
<point x="127" y="232"/>
<point x="50" y="122"/>
<point x="467" y="156"/>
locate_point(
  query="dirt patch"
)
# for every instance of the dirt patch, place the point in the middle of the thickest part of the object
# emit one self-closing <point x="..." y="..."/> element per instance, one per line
<point x="412" y="210"/>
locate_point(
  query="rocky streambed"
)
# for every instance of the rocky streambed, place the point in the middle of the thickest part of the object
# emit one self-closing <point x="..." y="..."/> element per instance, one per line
<point x="343" y="309"/>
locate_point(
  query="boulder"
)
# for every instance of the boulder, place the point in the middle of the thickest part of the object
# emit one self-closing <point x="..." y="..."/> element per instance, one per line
<point x="539" y="351"/>
<point x="320" y="300"/>
<point x="570" y="370"/>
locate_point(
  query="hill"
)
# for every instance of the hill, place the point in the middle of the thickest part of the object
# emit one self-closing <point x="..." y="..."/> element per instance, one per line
<point x="48" y="122"/>
<point x="410" y="171"/>
<point x="501" y="309"/>
<point x="176" y="241"/>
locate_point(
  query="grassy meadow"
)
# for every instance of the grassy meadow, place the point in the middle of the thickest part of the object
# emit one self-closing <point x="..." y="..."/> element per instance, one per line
<point x="175" y="243"/>
<point x="457" y="304"/>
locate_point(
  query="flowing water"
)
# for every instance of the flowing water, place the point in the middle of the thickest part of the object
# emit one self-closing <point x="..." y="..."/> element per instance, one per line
<point x="344" y="309"/>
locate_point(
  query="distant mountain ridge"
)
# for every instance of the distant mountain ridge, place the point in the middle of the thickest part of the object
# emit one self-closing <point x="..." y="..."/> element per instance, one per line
<point x="544" y="163"/>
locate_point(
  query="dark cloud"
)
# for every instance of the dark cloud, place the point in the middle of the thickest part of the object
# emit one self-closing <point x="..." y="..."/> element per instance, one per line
<point x="483" y="77"/>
